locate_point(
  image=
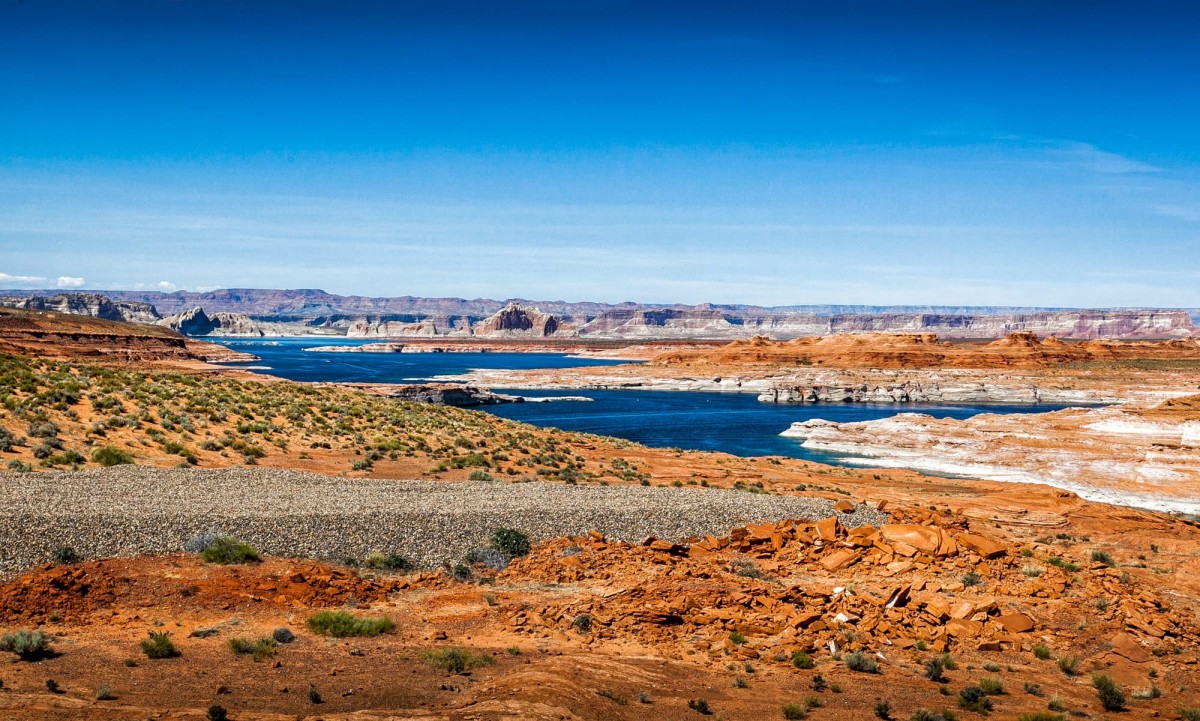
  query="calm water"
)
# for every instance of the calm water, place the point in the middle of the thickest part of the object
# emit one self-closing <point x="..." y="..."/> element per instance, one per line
<point x="731" y="422"/>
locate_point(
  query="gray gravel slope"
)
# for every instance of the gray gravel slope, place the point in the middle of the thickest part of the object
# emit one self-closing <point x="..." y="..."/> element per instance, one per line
<point x="129" y="510"/>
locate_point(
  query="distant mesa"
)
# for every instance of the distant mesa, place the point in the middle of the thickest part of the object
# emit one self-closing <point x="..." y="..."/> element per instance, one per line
<point x="265" y="312"/>
<point x="195" y="322"/>
<point x="520" y="321"/>
<point x="92" y="305"/>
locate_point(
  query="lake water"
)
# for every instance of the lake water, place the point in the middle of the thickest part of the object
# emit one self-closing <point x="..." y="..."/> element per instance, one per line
<point x="731" y="422"/>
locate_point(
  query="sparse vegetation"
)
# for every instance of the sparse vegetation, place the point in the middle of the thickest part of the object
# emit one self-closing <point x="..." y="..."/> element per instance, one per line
<point x="935" y="669"/>
<point x="225" y="550"/>
<point x="991" y="686"/>
<point x="974" y="698"/>
<point x="159" y="645"/>
<point x="1112" y="698"/>
<point x="861" y="661"/>
<point x="883" y="710"/>
<point x="793" y="711"/>
<point x="1041" y="651"/>
<point x="387" y="562"/>
<point x="1040" y="716"/>
<point x="111" y="456"/>
<point x="27" y="645"/>
<point x="340" y="624"/>
<point x="700" y="705"/>
<point x="260" y="649"/>
<point x="800" y="659"/>
<point x="511" y="542"/>
<point x="65" y="555"/>
<point x="457" y="660"/>
<point x="1069" y="664"/>
<point x="217" y="713"/>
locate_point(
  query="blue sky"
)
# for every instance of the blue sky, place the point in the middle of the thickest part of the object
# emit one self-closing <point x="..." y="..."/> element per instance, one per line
<point x="959" y="152"/>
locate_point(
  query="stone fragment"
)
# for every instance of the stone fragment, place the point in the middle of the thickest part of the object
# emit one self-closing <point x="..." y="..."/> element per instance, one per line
<point x="1125" y="645"/>
<point x="827" y="529"/>
<point x="844" y="507"/>
<point x="982" y="545"/>
<point x="1015" y="623"/>
<point x="922" y="538"/>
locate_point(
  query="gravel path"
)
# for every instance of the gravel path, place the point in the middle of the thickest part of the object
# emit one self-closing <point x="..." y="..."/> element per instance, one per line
<point x="127" y="510"/>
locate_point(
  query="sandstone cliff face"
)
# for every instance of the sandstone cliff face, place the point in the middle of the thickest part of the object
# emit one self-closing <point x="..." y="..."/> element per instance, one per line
<point x="519" y="321"/>
<point x="290" y="312"/>
<point x="663" y="323"/>
<point x="92" y="305"/>
<point x="196" y="322"/>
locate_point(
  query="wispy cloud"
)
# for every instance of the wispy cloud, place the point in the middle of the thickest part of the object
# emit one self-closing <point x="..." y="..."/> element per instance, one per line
<point x="21" y="281"/>
<point x="1086" y="156"/>
<point x="66" y="281"/>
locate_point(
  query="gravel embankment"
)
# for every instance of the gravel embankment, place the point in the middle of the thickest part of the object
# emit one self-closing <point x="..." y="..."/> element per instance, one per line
<point x="129" y="510"/>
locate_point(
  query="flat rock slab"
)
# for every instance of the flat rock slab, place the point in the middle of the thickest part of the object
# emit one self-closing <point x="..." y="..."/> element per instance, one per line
<point x="131" y="510"/>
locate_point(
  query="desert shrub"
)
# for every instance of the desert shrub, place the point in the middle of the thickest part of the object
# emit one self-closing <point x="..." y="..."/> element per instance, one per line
<point x="458" y="660"/>
<point x="1040" y="716"/>
<point x="861" y="661"/>
<point x="1112" y="698"/>
<point x="260" y="649"/>
<point x="1189" y="714"/>
<point x="794" y="711"/>
<point x="314" y="696"/>
<point x="43" y="430"/>
<point x="737" y="637"/>
<point x="818" y="683"/>
<point x="19" y="466"/>
<point x="883" y="710"/>
<point x="1069" y="664"/>
<point x="104" y="693"/>
<point x="340" y="624"/>
<point x="159" y="645"/>
<point x="943" y="715"/>
<point x="27" y="645"/>
<point x="388" y="562"/>
<point x="1033" y="689"/>
<point x="582" y="623"/>
<point x="283" y="635"/>
<point x="489" y="558"/>
<point x="480" y="476"/>
<point x="1041" y="651"/>
<point x="226" y="550"/>
<point x="1103" y="557"/>
<point x="1148" y="694"/>
<point x="971" y="578"/>
<point x="801" y="659"/>
<point x="699" y="705"/>
<point x="6" y="440"/>
<point x="935" y="669"/>
<point x="66" y="554"/>
<point x="511" y="542"/>
<point x="974" y="698"/>
<point x="111" y="456"/>
<point x="991" y="686"/>
<point x="217" y="713"/>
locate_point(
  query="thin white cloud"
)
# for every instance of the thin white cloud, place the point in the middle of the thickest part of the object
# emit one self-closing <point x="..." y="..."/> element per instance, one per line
<point x="1089" y="157"/>
<point x="21" y="281"/>
<point x="165" y="285"/>
<point x="66" y="281"/>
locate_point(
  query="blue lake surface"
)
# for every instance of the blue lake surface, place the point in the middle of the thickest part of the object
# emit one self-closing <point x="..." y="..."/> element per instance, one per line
<point x="730" y="422"/>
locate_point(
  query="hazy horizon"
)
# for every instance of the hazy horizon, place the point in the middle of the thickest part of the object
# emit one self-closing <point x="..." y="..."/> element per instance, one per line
<point x="862" y="153"/>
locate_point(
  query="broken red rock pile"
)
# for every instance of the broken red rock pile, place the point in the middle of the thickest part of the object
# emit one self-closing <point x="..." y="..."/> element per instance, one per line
<point x="927" y="583"/>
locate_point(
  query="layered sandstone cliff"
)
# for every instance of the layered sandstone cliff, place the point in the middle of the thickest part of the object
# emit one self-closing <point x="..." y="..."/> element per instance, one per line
<point x="92" y="305"/>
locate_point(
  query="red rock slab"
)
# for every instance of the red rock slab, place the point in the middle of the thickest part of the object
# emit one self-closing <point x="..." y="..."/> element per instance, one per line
<point x="922" y="538"/>
<point x="844" y="506"/>
<point x="839" y="559"/>
<point x="1125" y="645"/>
<point x="1015" y="623"/>
<point x="963" y="627"/>
<point x="827" y="529"/>
<point x="982" y="545"/>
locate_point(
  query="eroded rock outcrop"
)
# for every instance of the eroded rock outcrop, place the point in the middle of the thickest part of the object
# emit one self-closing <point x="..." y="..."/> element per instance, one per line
<point x="92" y="305"/>
<point x="195" y="322"/>
<point x="521" y="321"/>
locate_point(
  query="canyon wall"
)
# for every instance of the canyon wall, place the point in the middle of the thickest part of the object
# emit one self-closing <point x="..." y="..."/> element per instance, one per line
<point x="256" y="312"/>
